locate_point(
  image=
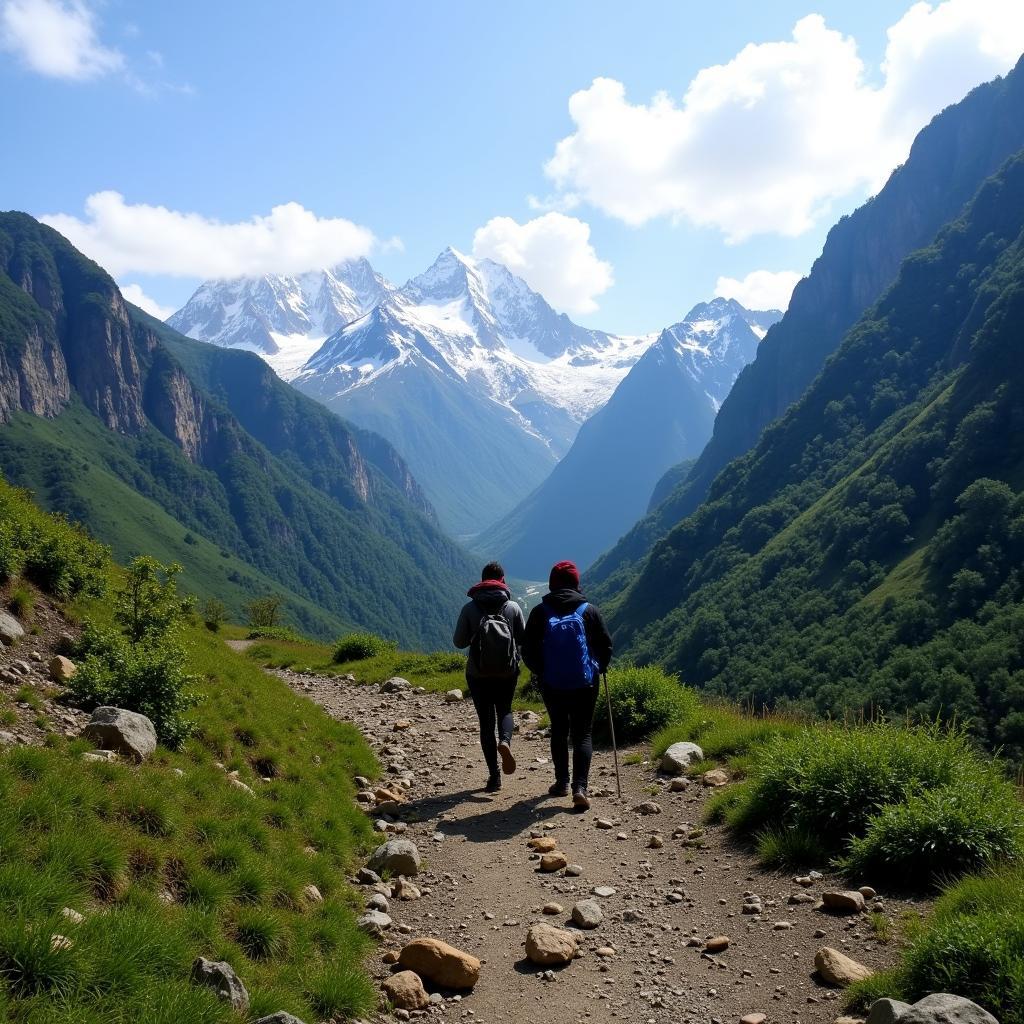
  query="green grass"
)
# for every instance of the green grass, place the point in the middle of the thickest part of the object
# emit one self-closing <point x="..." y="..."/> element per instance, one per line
<point x="361" y="646"/>
<point x="644" y="700"/>
<point x="107" y="839"/>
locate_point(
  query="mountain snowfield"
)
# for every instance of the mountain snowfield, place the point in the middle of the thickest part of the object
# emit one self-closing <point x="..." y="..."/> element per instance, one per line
<point x="472" y="375"/>
<point x="660" y="414"/>
<point x="283" y="319"/>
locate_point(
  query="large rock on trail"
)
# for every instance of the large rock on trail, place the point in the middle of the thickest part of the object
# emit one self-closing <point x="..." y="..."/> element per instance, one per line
<point x="125" y="732"/>
<point x="10" y="628"/>
<point x="396" y="684"/>
<point x="220" y="976"/>
<point x="943" y="1008"/>
<point x="399" y="856"/>
<point x="838" y="969"/>
<point x="845" y="902"/>
<point x="548" y="946"/>
<point x="405" y="991"/>
<point x="587" y="914"/>
<point x="679" y="757"/>
<point x="444" y="965"/>
<point x="886" y="1011"/>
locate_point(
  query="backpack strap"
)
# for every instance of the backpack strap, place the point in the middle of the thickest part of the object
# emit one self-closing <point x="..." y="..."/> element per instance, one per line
<point x="581" y="609"/>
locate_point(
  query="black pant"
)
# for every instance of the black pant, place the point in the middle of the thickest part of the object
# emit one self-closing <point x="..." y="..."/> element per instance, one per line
<point x="572" y="718"/>
<point x="492" y="699"/>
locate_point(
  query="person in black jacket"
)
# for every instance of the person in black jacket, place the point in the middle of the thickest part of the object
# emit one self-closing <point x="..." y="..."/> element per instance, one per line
<point x="492" y="695"/>
<point x="571" y="710"/>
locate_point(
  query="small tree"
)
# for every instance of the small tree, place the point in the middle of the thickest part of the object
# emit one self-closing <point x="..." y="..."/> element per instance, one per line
<point x="264" y="612"/>
<point x="214" y="614"/>
<point x="147" y="603"/>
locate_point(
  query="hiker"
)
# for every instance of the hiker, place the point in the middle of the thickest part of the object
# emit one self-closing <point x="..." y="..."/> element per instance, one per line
<point x="492" y="626"/>
<point x="567" y="647"/>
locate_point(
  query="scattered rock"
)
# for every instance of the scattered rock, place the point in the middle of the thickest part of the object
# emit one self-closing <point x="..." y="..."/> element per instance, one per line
<point x="281" y="1017"/>
<point x="547" y="946"/>
<point x="717" y="944"/>
<point x="603" y="823"/>
<point x="440" y="963"/>
<point x="604" y="891"/>
<point x="452" y="696"/>
<point x="648" y="807"/>
<point x="573" y="870"/>
<point x="545" y="844"/>
<point x="405" y="991"/>
<point x="552" y="909"/>
<point x="220" y="976"/>
<point x="867" y="892"/>
<point x="679" y="757"/>
<point x="886" y="1011"/>
<point x="125" y="732"/>
<point x="553" y="861"/>
<point x="678" y="785"/>
<point x="396" y="684"/>
<point x="587" y="914"/>
<point x="714" y="778"/>
<point x="398" y="856"/>
<point x="754" y="1018"/>
<point x="838" y="969"/>
<point x="605" y="952"/>
<point x="374" y="922"/>
<point x="10" y="628"/>
<point x="364" y="876"/>
<point x="848" y="902"/>
<point x="62" y="669"/>
<point x="403" y="889"/>
<point x="378" y="902"/>
<point x="942" y="1008"/>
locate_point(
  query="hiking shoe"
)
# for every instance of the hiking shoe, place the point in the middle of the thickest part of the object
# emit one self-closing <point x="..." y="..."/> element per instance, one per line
<point x="580" y="800"/>
<point x="558" y="789"/>
<point x="508" y="762"/>
<point x="493" y="784"/>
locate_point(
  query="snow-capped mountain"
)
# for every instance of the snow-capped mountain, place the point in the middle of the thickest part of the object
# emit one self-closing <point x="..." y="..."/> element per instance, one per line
<point x="284" y="319"/>
<point x="660" y="414"/>
<point x="480" y="384"/>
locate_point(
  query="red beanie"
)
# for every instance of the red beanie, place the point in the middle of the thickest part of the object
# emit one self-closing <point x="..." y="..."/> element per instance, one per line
<point x="564" y="576"/>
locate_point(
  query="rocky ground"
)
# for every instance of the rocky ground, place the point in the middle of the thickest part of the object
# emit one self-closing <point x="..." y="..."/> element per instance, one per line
<point x="663" y="884"/>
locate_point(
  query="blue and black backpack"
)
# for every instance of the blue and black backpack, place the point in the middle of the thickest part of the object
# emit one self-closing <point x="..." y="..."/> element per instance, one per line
<point x="568" y="664"/>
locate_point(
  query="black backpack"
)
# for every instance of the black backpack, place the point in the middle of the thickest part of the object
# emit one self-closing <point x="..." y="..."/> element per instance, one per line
<point x="493" y="651"/>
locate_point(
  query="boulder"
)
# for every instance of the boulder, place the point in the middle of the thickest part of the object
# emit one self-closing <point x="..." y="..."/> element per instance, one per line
<point x="679" y="757"/>
<point x="396" y="684"/>
<point x="452" y="696"/>
<point x="10" y="628"/>
<point x="545" y="844"/>
<point x="548" y="946"/>
<point x="587" y="914"/>
<point x="553" y="861"/>
<point x="398" y="856"/>
<point x="886" y="1011"/>
<point x="717" y="944"/>
<point x="281" y="1017"/>
<point x="124" y="732"/>
<point x="403" y="889"/>
<point x="374" y="923"/>
<point x="847" y="902"/>
<point x="220" y="976"/>
<point x="943" y="1008"/>
<point x="648" y="807"/>
<point x="405" y="991"/>
<point x="838" y="969"/>
<point x="437" y="962"/>
<point x="62" y="669"/>
<point x="714" y="778"/>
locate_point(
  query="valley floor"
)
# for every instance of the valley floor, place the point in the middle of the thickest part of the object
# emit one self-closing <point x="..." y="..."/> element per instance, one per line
<point x="481" y="890"/>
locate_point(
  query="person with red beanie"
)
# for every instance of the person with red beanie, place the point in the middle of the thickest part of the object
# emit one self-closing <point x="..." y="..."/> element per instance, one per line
<point x="567" y="646"/>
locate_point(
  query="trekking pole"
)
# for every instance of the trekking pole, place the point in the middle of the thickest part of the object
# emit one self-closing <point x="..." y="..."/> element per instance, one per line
<point x="611" y="726"/>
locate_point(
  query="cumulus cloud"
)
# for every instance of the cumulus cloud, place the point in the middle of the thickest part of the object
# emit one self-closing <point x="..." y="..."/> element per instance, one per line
<point x="765" y="142"/>
<point x="134" y="294"/>
<point x="760" y="289"/>
<point x="57" y="38"/>
<point x="552" y="254"/>
<point x="127" y="238"/>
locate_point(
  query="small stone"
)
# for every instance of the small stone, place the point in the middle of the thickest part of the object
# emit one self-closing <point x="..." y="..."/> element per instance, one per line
<point x="364" y="876"/>
<point x="573" y="870"/>
<point x="678" y="785"/>
<point x="61" y="669"/>
<point x="374" y="922"/>
<point x="782" y="926"/>
<point x="402" y="725"/>
<point x="390" y="957"/>
<point x="848" y="902"/>
<point x="648" y="807"/>
<point x="714" y="778"/>
<point x="604" y="891"/>
<point x="717" y="944"/>
<point x="220" y="976"/>
<point x="11" y="630"/>
<point x="886" y="1011"/>
<point x="440" y="963"/>
<point x="396" y="684"/>
<point x="452" y="696"/>
<point x="553" y="861"/>
<point x="587" y="914"/>
<point x="547" y="946"/>
<point x="378" y="902"/>
<point x="867" y="892"/>
<point x="403" y="889"/>
<point x="605" y="952"/>
<point x="405" y="991"/>
<point x="281" y="1017"/>
<point x="679" y="757"/>
<point x="838" y="969"/>
<point x="125" y="732"/>
<point x="398" y="856"/>
<point x="545" y="844"/>
<point x="754" y="1018"/>
<point x="552" y="909"/>
<point x="603" y="823"/>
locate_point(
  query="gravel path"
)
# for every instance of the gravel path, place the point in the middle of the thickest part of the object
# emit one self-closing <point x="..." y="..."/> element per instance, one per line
<point x="481" y="890"/>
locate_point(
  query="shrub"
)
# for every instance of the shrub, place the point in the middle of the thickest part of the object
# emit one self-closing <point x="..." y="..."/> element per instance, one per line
<point x="214" y="614"/>
<point x="790" y="848"/>
<point x="147" y="603"/>
<point x="283" y="633"/>
<point x="952" y="829"/>
<point x="21" y="602"/>
<point x="360" y="646"/>
<point x="264" y="611"/>
<point x="643" y="701"/>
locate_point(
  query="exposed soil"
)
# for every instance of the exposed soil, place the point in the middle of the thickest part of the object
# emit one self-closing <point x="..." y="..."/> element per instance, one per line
<point x="482" y="890"/>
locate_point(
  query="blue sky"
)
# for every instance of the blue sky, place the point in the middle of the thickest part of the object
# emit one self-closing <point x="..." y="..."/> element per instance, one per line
<point x="422" y="123"/>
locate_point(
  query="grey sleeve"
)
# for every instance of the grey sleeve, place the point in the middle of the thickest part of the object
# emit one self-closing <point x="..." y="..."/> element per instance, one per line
<point x="518" y="625"/>
<point x="463" y="628"/>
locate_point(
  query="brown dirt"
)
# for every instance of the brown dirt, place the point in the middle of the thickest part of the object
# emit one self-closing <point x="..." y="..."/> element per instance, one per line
<point x="481" y="890"/>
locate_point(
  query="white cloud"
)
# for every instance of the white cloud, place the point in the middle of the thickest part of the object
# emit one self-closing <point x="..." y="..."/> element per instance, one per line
<point x="760" y="289"/>
<point x="552" y="254"/>
<point x="134" y="293"/>
<point x="127" y="238"/>
<point x="765" y="142"/>
<point x="56" y="38"/>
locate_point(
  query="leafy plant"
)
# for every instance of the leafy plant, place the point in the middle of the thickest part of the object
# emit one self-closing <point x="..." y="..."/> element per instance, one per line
<point x="643" y="701"/>
<point x="360" y="646"/>
<point x="214" y="613"/>
<point x="21" y="602"/>
<point x="264" y="612"/>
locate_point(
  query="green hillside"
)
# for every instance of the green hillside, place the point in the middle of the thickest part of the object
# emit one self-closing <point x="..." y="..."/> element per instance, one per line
<point x="867" y="553"/>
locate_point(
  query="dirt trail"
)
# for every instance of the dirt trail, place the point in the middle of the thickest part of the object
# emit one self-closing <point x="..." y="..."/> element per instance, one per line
<point x="481" y="890"/>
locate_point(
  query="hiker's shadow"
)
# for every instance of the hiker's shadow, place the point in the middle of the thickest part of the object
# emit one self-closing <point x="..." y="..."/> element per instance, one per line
<point x="500" y="822"/>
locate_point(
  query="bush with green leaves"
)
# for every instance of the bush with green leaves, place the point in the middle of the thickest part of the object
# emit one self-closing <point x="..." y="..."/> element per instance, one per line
<point x="360" y="646"/>
<point x="215" y="614"/>
<point x="284" y="634"/>
<point x="643" y="700"/>
<point x="264" y="612"/>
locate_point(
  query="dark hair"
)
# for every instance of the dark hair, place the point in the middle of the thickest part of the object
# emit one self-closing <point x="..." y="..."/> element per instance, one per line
<point x="492" y="571"/>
